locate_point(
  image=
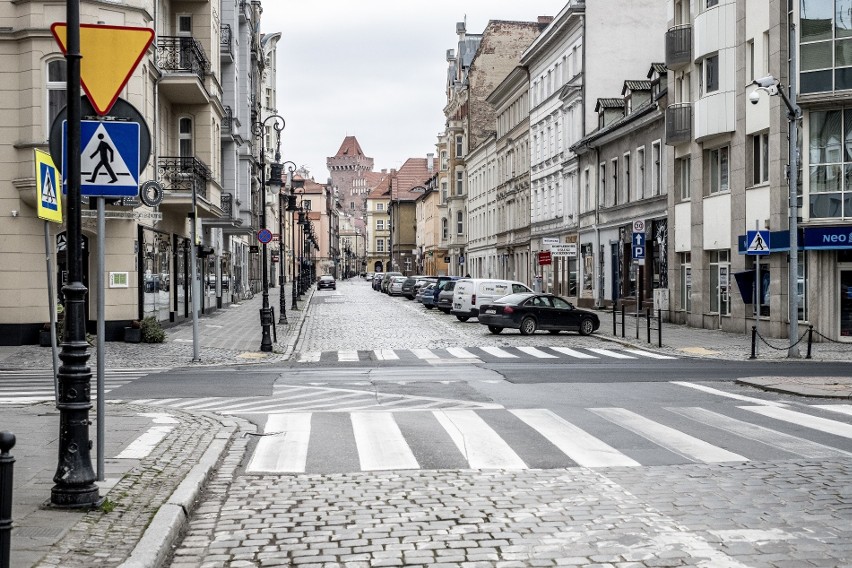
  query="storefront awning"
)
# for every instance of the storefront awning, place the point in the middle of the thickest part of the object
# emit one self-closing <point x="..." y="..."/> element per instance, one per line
<point x="828" y="238"/>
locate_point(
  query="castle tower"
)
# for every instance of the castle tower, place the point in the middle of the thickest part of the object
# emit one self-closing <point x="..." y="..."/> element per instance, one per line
<point x="349" y="169"/>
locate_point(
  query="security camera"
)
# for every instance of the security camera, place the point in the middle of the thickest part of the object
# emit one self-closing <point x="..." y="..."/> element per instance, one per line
<point x="754" y="97"/>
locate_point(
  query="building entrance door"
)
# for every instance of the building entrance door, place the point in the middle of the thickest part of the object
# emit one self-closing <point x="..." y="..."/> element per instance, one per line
<point x="845" y="304"/>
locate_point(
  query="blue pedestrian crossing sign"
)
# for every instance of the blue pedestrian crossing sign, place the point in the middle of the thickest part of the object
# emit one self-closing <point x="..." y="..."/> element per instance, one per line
<point x="109" y="158"/>
<point x="758" y="242"/>
<point x="49" y="206"/>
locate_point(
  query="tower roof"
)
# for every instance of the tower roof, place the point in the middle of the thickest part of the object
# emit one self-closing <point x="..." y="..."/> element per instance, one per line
<point x="350" y="147"/>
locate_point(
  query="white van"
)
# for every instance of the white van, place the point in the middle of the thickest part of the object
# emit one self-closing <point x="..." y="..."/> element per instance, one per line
<point x="470" y="293"/>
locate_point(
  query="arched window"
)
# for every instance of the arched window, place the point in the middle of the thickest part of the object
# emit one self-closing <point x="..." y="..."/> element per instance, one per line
<point x="56" y="89"/>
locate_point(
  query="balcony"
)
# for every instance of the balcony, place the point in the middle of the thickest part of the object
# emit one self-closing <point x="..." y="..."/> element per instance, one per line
<point x="228" y="122"/>
<point x="679" y="47"/>
<point x="184" y="66"/>
<point x="226" y="43"/>
<point x="678" y="123"/>
<point x="180" y="175"/>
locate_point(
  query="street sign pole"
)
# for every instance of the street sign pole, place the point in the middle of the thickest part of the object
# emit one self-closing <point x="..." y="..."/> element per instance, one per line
<point x="75" y="479"/>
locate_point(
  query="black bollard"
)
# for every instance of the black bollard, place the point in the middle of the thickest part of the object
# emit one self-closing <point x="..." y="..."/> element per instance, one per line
<point x="810" y="340"/>
<point x="614" y="326"/>
<point x="622" y="321"/>
<point x="7" y="442"/>
<point x="753" y="342"/>
<point x="660" y="327"/>
<point x="648" y="322"/>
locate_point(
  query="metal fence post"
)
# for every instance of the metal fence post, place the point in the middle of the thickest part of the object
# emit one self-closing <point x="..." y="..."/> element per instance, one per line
<point x="753" y="342"/>
<point x="648" y="322"/>
<point x="810" y="340"/>
<point x="7" y="442"/>
<point x="659" y="327"/>
<point x="614" y="326"/>
<point x="622" y="321"/>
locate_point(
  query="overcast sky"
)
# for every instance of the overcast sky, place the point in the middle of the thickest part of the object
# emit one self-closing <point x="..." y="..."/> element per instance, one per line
<point x="374" y="69"/>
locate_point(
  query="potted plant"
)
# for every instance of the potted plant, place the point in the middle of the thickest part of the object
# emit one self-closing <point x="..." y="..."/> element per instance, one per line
<point x="133" y="332"/>
<point x="152" y="331"/>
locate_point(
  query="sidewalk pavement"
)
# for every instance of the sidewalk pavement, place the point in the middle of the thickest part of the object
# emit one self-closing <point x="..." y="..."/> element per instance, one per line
<point x="154" y="481"/>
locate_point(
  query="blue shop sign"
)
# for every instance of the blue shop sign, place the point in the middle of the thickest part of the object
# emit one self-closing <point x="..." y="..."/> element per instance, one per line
<point x="828" y="238"/>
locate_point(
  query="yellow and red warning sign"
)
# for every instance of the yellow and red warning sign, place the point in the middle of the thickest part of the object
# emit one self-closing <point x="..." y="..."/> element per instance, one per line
<point x="110" y="54"/>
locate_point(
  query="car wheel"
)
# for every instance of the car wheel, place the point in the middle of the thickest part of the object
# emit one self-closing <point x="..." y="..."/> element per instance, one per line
<point x="495" y="329"/>
<point x="587" y="326"/>
<point x="428" y="307"/>
<point x="463" y="318"/>
<point x="528" y="326"/>
<point x="554" y="331"/>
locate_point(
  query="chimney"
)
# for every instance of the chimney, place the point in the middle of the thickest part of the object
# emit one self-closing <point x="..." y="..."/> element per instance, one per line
<point x="430" y="162"/>
<point x="545" y="20"/>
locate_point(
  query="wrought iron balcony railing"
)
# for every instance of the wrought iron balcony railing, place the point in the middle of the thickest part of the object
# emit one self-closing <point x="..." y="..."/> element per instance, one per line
<point x="228" y="120"/>
<point x="228" y="205"/>
<point x="226" y="40"/>
<point x="678" y="123"/>
<point x="679" y="46"/>
<point x="177" y="54"/>
<point x="183" y="174"/>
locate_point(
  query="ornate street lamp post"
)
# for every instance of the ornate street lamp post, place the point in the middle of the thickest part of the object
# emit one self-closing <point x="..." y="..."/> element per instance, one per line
<point x="266" y="314"/>
<point x="282" y="262"/>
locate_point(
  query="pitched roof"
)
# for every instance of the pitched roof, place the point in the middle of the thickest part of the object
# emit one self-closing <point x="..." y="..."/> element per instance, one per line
<point x="350" y="147"/>
<point x="609" y="103"/>
<point x="414" y="173"/>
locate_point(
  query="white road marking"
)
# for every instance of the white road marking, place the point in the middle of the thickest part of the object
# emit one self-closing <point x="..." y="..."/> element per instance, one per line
<point x="841" y="408"/>
<point x="497" y="352"/>
<point x="142" y="446"/>
<point x="718" y="392"/>
<point x="386" y="354"/>
<point x="482" y="447"/>
<point x="575" y="443"/>
<point x="381" y="445"/>
<point x="347" y="356"/>
<point x="537" y="353"/>
<point x="572" y="353"/>
<point x="669" y="438"/>
<point x="461" y="353"/>
<point x="287" y="451"/>
<point x="310" y="356"/>
<point x="802" y="419"/>
<point x="650" y="354"/>
<point x="424" y="354"/>
<point x="608" y="353"/>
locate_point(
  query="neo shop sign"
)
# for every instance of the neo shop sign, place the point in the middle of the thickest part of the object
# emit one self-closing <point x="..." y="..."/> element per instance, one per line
<point x="828" y="238"/>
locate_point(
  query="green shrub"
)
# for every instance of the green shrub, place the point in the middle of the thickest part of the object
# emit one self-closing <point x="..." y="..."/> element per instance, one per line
<point x="152" y="331"/>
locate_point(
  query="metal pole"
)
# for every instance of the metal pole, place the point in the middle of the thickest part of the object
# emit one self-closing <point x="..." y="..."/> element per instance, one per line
<point x="659" y="327"/>
<point x="294" y="291"/>
<point x="100" y="351"/>
<point x="75" y="479"/>
<point x="265" y="314"/>
<point x="793" y="179"/>
<point x="282" y="295"/>
<point x="51" y="303"/>
<point x="7" y="462"/>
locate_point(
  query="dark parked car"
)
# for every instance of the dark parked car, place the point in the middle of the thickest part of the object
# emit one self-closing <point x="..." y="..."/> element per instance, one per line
<point x="376" y="282"/>
<point x="445" y="296"/>
<point x="428" y="296"/>
<point x="412" y="283"/>
<point x="326" y="281"/>
<point x="418" y="297"/>
<point x="437" y="289"/>
<point x="386" y="280"/>
<point x="529" y="312"/>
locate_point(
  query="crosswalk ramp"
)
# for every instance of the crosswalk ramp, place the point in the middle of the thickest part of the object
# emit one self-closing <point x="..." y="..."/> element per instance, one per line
<point x="29" y="386"/>
<point x="487" y="353"/>
<point x="306" y="442"/>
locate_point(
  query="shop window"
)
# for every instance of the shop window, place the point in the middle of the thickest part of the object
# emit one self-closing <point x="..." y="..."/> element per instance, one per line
<point x="685" y="282"/>
<point x="719" y="165"/>
<point x="720" y="282"/>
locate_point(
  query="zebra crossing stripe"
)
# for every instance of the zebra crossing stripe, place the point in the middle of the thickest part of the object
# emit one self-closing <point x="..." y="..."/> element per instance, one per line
<point x="780" y="440"/>
<point x="347" y="356"/>
<point x="536" y="353"/>
<point x="381" y="445"/>
<point x="477" y="441"/>
<point x="841" y="408"/>
<point x="608" y="353"/>
<point x="424" y="354"/>
<point x="650" y="354"/>
<point x="310" y="357"/>
<point x="575" y="443"/>
<point x="461" y="353"/>
<point x="285" y="447"/>
<point x="497" y="352"/>
<point x="573" y="353"/>
<point x="386" y="355"/>
<point x="806" y="420"/>
<point x="669" y="438"/>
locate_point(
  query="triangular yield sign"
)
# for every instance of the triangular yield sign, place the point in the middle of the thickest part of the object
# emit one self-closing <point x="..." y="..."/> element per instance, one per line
<point x="109" y="56"/>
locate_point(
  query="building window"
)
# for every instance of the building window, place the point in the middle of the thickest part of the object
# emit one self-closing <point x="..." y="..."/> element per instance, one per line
<point x="719" y="169"/>
<point x="445" y="162"/>
<point x="459" y="182"/>
<point x="443" y="192"/>
<point x="601" y="184"/>
<point x="760" y="158"/>
<point x="825" y="61"/>
<point x="459" y="146"/>
<point x="657" y="168"/>
<point x="625" y="190"/>
<point x="380" y="206"/>
<point x="56" y="85"/>
<point x="764" y="279"/>
<point x="380" y="245"/>
<point x="710" y="75"/>
<point x="720" y="282"/>
<point x="640" y="173"/>
<point x="408" y="264"/>
<point x="459" y="223"/>
<point x="588" y="204"/>
<point x="380" y="224"/>
<point x="829" y="193"/>
<point x="750" y="76"/>
<point x="613" y="200"/>
<point x="185" y="137"/>
<point x="683" y="175"/>
<point x="685" y="282"/>
<point x="306" y="204"/>
<point x="445" y="230"/>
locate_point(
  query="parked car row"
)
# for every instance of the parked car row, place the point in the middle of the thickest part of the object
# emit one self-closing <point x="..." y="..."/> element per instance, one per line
<point x="497" y="304"/>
